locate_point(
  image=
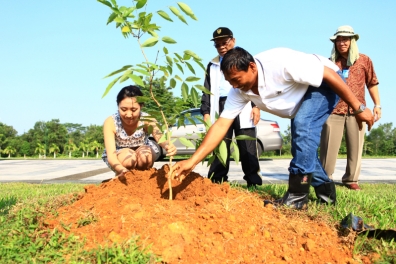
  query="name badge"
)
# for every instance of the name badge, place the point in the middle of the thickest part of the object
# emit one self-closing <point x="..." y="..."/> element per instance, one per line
<point x="345" y="73"/>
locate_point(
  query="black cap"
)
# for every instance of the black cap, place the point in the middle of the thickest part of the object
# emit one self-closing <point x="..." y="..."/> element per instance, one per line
<point x="222" y="32"/>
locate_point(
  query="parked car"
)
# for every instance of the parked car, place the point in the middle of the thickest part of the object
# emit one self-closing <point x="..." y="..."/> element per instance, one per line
<point x="268" y="134"/>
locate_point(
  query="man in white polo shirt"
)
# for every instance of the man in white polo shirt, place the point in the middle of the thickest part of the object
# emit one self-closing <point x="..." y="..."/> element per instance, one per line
<point x="290" y="84"/>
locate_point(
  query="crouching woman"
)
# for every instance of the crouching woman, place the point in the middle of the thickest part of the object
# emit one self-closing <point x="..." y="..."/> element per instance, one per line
<point x="126" y="135"/>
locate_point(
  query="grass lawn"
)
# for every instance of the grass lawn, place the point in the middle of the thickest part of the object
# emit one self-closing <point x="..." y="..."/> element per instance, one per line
<point x="23" y="240"/>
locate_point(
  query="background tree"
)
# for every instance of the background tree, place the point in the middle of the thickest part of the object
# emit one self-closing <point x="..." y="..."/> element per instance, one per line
<point x="9" y="151"/>
<point x="382" y="140"/>
<point x="96" y="146"/>
<point x="83" y="147"/>
<point x="40" y="149"/>
<point x="70" y="147"/>
<point x="54" y="149"/>
<point x="6" y="134"/>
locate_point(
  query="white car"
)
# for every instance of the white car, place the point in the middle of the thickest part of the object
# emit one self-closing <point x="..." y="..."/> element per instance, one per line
<point x="268" y="134"/>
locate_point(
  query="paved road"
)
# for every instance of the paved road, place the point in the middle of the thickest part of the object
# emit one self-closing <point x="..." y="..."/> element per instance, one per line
<point x="94" y="171"/>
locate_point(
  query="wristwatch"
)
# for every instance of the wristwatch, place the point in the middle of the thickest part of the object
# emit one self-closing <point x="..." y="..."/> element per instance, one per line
<point x="362" y="107"/>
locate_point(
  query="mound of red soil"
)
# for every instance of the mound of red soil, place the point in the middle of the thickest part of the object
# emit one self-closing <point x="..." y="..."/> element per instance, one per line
<point x="205" y="223"/>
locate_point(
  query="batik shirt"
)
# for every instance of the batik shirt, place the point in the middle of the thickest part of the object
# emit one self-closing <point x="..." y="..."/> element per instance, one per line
<point x="359" y="75"/>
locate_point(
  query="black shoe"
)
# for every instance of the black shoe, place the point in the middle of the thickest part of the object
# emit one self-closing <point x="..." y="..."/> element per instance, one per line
<point x="326" y="193"/>
<point x="297" y="195"/>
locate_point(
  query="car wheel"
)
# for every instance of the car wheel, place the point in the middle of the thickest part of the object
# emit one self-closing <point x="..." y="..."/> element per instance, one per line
<point x="157" y="156"/>
<point x="259" y="149"/>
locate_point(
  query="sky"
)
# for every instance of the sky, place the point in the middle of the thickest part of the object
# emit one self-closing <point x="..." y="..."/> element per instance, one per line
<point x="54" y="54"/>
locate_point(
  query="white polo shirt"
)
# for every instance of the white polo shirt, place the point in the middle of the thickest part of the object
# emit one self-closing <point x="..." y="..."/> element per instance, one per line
<point x="283" y="78"/>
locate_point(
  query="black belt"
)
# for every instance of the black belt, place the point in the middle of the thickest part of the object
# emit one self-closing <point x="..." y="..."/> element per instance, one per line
<point x="222" y="99"/>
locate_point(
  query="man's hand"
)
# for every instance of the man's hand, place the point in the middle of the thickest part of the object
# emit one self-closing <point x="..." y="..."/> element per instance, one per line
<point x="181" y="169"/>
<point x="365" y="116"/>
<point x="377" y="113"/>
<point x="255" y="115"/>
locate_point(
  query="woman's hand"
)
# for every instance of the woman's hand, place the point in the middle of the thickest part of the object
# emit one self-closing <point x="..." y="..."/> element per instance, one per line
<point x="170" y="149"/>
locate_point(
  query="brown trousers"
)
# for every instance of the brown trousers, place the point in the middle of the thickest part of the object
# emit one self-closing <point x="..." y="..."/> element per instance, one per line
<point x="330" y="143"/>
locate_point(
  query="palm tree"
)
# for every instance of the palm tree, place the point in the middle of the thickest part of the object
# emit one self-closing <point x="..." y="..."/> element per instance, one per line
<point x="40" y="149"/>
<point x="95" y="145"/>
<point x="54" y="148"/>
<point x="83" y="147"/>
<point x="9" y="150"/>
<point x="70" y="147"/>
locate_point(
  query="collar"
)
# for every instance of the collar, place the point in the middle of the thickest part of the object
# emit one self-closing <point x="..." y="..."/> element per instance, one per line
<point x="216" y="60"/>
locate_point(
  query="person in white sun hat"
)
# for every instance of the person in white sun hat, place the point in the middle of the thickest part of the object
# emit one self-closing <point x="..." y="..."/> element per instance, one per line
<point x="358" y="70"/>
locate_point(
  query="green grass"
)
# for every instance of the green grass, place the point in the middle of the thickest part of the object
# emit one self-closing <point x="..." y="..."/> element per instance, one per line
<point x="24" y="240"/>
<point x="375" y="204"/>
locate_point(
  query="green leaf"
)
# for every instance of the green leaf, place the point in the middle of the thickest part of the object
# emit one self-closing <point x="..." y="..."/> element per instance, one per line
<point x="186" y="9"/>
<point x="186" y="57"/>
<point x="165" y="50"/>
<point x="184" y="89"/>
<point x="141" y="3"/>
<point x="125" y="76"/>
<point x="169" y="60"/>
<point x="175" y="11"/>
<point x="136" y="79"/>
<point x="110" y="86"/>
<point x="244" y="137"/>
<point x="170" y="70"/>
<point x="119" y="20"/>
<point x="180" y="67"/>
<point x="142" y="72"/>
<point x="164" y="15"/>
<point x="192" y="79"/>
<point x="150" y="42"/>
<point x="172" y="83"/>
<point x="105" y="3"/>
<point x="192" y="54"/>
<point x="179" y="57"/>
<point x="200" y="65"/>
<point x="178" y="78"/>
<point x="186" y="142"/>
<point x="162" y="139"/>
<point x="194" y="97"/>
<point x="111" y="18"/>
<point x="190" y="67"/>
<point x="222" y="155"/>
<point x="153" y="33"/>
<point x="235" y="154"/>
<point x="150" y="129"/>
<point x="168" y="40"/>
<point x="202" y="88"/>
<point x="126" y="67"/>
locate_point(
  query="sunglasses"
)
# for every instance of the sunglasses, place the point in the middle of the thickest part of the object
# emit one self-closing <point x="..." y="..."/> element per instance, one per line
<point x="218" y="45"/>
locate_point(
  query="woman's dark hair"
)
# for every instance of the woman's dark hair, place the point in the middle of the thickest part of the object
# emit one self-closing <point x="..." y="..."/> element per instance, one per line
<point x="129" y="91"/>
<point x="238" y="58"/>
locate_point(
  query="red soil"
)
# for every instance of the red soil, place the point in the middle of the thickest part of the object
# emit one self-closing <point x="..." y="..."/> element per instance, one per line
<point x="205" y="223"/>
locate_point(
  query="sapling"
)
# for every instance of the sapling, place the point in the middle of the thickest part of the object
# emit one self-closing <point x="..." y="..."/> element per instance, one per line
<point x="135" y="22"/>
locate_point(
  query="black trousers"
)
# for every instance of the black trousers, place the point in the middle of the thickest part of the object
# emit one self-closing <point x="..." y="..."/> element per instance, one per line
<point x="247" y="152"/>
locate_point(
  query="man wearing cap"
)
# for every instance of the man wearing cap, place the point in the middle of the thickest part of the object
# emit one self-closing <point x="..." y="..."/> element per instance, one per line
<point x="244" y="124"/>
<point x="358" y="70"/>
<point x="290" y="84"/>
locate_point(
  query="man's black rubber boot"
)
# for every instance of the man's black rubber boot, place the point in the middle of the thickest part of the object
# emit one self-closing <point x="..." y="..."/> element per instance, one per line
<point x="297" y="195"/>
<point x="326" y="193"/>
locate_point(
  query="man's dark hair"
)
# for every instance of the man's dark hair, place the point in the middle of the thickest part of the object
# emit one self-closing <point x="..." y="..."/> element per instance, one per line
<point x="238" y="58"/>
<point x="128" y="91"/>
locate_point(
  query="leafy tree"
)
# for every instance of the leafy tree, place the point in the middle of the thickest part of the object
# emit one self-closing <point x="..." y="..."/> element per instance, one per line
<point x="54" y="149"/>
<point x="382" y="140"/>
<point x="83" y="147"/>
<point x="96" y="146"/>
<point x="40" y="149"/>
<point x="6" y="134"/>
<point x="9" y="150"/>
<point x="134" y="23"/>
<point x="94" y="133"/>
<point x="25" y="148"/>
<point x="70" y="147"/>
<point x="286" y="146"/>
